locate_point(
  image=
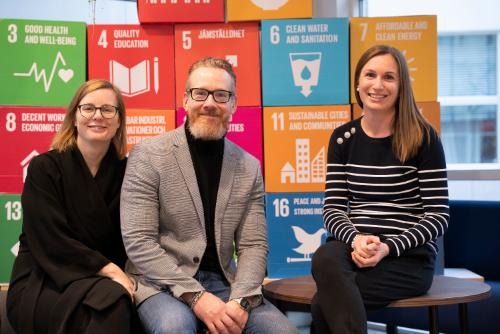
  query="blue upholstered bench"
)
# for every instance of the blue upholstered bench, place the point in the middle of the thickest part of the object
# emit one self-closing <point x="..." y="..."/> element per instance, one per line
<point x="472" y="242"/>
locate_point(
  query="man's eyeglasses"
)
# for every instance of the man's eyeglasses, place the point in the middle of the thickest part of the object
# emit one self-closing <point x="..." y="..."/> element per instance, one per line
<point x="201" y="94"/>
<point x="88" y="110"/>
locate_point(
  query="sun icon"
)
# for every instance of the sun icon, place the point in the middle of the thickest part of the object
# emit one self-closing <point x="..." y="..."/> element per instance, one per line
<point x="409" y="61"/>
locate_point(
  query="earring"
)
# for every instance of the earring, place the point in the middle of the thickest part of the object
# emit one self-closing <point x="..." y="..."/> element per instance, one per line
<point x="357" y="89"/>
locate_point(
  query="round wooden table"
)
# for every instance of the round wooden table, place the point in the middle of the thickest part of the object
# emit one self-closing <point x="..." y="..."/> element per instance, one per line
<point x="444" y="291"/>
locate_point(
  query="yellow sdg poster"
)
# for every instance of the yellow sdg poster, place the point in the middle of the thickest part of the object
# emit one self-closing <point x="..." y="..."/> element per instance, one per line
<point x="296" y="145"/>
<point x="415" y="36"/>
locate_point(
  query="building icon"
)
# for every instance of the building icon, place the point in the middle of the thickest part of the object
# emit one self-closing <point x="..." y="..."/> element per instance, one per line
<point x="305" y="170"/>
<point x="24" y="164"/>
<point x="302" y="158"/>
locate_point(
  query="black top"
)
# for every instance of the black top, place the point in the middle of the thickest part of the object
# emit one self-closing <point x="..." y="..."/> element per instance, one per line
<point x="207" y="161"/>
<point x="71" y="229"/>
<point x="368" y="190"/>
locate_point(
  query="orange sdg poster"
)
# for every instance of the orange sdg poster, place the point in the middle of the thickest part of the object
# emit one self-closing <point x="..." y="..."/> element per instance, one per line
<point x="145" y="123"/>
<point x="238" y="43"/>
<point x="415" y="36"/>
<point x="431" y="111"/>
<point x="296" y="145"/>
<point x="247" y="10"/>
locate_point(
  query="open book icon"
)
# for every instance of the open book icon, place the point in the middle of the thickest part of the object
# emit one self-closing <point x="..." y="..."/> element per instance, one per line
<point x="131" y="81"/>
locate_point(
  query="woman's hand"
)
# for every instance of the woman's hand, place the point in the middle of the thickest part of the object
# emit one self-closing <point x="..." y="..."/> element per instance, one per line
<point x="115" y="273"/>
<point x="368" y="250"/>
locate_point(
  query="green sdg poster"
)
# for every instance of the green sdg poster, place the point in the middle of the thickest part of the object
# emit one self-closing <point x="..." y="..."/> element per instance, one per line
<point x="43" y="62"/>
<point x="11" y="217"/>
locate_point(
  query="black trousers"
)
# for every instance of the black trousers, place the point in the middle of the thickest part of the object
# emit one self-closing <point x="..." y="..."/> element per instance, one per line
<point x="345" y="291"/>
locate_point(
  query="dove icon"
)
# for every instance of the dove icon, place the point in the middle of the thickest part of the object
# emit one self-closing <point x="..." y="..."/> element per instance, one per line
<point x="309" y="243"/>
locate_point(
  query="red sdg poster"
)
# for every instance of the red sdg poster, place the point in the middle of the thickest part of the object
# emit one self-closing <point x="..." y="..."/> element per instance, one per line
<point x="25" y="132"/>
<point x="151" y="11"/>
<point x="138" y="59"/>
<point x="236" y="42"/>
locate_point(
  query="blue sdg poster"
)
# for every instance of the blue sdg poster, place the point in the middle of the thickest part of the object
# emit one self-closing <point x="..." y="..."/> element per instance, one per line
<point x="305" y="62"/>
<point x="295" y="231"/>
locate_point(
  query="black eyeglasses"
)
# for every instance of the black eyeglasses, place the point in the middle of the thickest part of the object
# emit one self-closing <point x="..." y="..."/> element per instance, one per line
<point x="88" y="110"/>
<point x="201" y="94"/>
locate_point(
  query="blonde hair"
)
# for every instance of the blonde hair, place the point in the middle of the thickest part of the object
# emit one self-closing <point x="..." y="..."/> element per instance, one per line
<point x="409" y="126"/>
<point x="67" y="134"/>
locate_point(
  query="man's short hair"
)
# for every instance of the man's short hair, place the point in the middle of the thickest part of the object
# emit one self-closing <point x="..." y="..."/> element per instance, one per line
<point x="214" y="63"/>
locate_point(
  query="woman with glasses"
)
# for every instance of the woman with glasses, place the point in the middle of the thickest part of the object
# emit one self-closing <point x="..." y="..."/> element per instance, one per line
<point x="68" y="277"/>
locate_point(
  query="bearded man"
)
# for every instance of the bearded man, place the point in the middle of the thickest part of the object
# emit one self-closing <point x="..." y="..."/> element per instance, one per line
<point x="190" y="200"/>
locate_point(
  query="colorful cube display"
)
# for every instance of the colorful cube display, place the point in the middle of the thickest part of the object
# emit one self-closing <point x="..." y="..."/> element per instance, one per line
<point x="158" y="11"/>
<point x="43" y="62"/>
<point x="247" y="10"/>
<point x="296" y="145"/>
<point x="11" y="218"/>
<point x="28" y="131"/>
<point x="138" y="59"/>
<point x="305" y="62"/>
<point x="415" y="36"/>
<point x="236" y="42"/>
<point x="245" y="129"/>
<point x="295" y="231"/>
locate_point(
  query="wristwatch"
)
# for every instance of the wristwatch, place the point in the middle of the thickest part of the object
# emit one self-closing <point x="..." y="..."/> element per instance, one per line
<point x="249" y="303"/>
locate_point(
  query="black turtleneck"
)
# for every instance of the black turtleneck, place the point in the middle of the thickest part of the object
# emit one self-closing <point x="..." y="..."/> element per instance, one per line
<point x="207" y="161"/>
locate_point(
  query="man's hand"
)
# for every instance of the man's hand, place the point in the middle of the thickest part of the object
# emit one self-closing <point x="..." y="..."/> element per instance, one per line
<point x="368" y="250"/>
<point x="217" y="315"/>
<point x="237" y="313"/>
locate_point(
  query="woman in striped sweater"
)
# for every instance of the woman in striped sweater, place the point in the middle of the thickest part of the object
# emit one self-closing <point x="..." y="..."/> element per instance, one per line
<point x="386" y="200"/>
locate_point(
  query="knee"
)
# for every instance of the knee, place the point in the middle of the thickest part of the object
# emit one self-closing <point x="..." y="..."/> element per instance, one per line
<point x="162" y="314"/>
<point x="328" y="257"/>
<point x="268" y="319"/>
<point x="161" y="325"/>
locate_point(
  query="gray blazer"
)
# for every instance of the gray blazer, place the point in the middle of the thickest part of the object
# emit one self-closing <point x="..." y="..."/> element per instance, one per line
<point x="162" y="218"/>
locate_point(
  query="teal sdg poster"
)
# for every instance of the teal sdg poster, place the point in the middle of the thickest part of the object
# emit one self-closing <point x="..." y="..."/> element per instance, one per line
<point x="43" y="62"/>
<point x="305" y="62"/>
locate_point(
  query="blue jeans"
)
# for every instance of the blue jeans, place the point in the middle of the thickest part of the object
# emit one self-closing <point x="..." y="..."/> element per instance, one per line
<point x="165" y="314"/>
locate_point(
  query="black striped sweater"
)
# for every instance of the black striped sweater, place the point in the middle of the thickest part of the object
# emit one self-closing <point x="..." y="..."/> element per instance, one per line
<point x="369" y="191"/>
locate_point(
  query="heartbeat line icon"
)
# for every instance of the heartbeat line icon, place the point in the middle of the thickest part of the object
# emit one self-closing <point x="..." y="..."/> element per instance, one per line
<point x="64" y="74"/>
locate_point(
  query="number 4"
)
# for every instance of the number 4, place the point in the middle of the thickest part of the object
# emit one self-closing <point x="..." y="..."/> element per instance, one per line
<point x="103" y="40"/>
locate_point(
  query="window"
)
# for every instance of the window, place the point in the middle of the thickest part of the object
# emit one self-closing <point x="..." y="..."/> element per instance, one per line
<point x="467" y="89"/>
<point x="468" y="81"/>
